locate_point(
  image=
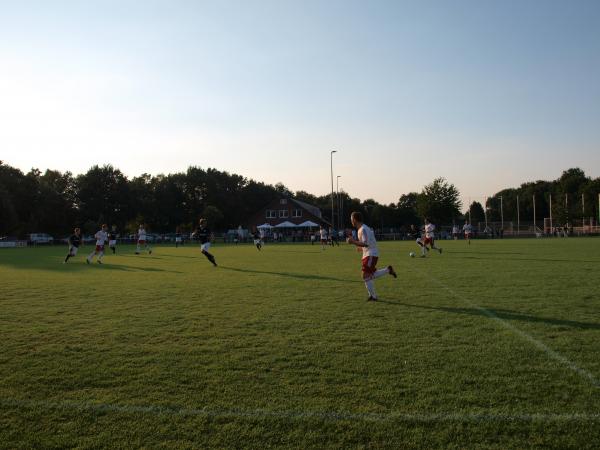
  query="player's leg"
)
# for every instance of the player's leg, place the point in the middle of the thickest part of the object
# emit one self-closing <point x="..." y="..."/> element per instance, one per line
<point x="72" y="253"/>
<point x="389" y="270"/>
<point x="368" y="270"/>
<point x="90" y="257"/>
<point x="137" y="248"/>
<point x="206" y="253"/>
<point x="421" y="244"/>
<point x="100" y="256"/>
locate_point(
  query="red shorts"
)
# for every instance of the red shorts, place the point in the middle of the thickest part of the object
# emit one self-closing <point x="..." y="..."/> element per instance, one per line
<point x="428" y="241"/>
<point x="323" y="241"/>
<point x="99" y="248"/>
<point x="369" y="265"/>
<point x="141" y="242"/>
<point x="467" y="235"/>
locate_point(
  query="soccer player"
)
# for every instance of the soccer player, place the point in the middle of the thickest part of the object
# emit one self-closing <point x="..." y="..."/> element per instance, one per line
<point x="333" y="237"/>
<point x="101" y="238"/>
<point x="323" y="233"/>
<point x="112" y="239"/>
<point x="455" y="232"/>
<point x="74" y="243"/>
<point x="429" y="239"/>
<point x="257" y="240"/>
<point x="468" y="230"/>
<point x="178" y="240"/>
<point x="142" y="240"/>
<point x="370" y="254"/>
<point x="203" y="233"/>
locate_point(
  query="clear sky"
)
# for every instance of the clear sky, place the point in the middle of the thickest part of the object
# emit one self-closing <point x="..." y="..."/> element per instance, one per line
<point x="485" y="93"/>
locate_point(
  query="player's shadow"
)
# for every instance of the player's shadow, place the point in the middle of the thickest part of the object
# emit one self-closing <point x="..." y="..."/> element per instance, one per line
<point x="504" y="314"/>
<point x="530" y="259"/>
<point x="485" y="253"/>
<point x="300" y="276"/>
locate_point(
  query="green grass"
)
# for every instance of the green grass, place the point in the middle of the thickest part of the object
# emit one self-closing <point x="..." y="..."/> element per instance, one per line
<point x="493" y="345"/>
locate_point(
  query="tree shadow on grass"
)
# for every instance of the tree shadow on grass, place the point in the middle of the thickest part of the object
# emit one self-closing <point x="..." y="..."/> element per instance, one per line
<point x="77" y="266"/>
<point x="503" y="314"/>
<point x="300" y="276"/>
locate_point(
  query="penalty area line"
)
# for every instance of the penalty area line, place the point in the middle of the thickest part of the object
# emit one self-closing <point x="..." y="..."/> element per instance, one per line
<point x="553" y="354"/>
<point x="392" y="416"/>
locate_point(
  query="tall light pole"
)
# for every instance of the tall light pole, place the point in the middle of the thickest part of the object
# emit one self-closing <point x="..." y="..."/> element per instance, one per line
<point x="337" y="194"/>
<point x="518" y="217"/>
<point x="501" y="214"/>
<point x="331" y="163"/>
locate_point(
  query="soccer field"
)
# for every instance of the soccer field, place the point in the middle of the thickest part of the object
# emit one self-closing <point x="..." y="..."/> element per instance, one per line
<point x="492" y="345"/>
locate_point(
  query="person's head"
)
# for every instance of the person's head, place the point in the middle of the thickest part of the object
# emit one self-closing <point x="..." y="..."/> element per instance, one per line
<point x="141" y="225"/>
<point x="77" y="231"/>
<point x="104" y="227"/>
<point x="466" y="222"/>
<point x="202" y="222"/>
<point x="427" y="220"/>
<point x="114" y="227"/>
<point x="356" y="218"/>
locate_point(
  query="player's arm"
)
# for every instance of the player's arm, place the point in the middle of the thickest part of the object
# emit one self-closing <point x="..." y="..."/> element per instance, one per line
<point x="358" y="242"/>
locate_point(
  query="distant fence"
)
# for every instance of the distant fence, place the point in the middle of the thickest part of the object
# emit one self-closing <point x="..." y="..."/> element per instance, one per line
<point x="12" y="244"/>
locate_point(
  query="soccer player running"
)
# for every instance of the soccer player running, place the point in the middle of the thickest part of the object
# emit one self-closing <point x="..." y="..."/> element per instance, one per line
<point x="203" y="233"/>
<point x="323" y="233"/>
<point x="468" y="230"/>
<point x="370" y="254"/>
<point x="257" y="240"/>
<point x="429" y="239"/>
<point x="74" y="243"/>
<point x="178" y="240"/>
<point x="101" y="238"/>
<point x="112" y="239"/>
<point x="142" y="240"/>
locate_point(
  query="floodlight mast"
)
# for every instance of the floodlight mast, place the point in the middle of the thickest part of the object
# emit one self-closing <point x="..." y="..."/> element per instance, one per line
<point x="332" y="209"/>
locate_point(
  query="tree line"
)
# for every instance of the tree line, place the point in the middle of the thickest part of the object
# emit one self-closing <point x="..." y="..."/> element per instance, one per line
<point x="55" y="202"/>
<point x="574" y="196"/>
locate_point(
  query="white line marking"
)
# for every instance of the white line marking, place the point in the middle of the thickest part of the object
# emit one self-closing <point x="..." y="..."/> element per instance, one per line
<point x="540" y="345"/>
<point x="393" y="416"/>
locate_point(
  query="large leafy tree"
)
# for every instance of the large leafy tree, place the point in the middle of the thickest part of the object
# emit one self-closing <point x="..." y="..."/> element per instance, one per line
<point x="103" y="196"/>
<point x="439" y="201"/>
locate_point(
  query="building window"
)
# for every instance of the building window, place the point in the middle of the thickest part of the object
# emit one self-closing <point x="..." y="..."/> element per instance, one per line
<point x="271" y="214"/>
<point x="297" y="213"/>
<point x="283" y="213"/>
<point x="283" y="201"/>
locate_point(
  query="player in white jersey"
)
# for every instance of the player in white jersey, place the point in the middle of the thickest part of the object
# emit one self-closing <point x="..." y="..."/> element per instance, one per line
<point x="428" y="240"/>
<point x="366" y="242"/>
<point x="101" y="238"/>
<point x="455" y="231"/>
<point x="468" y="230"/>
<point x="323" y="233"/>
<point x="142" y="241"/>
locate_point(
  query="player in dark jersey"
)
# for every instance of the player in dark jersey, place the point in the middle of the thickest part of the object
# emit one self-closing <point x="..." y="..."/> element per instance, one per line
<point x="178" y="240"/>
<point x="112" y="239"/>
<point x="257" y="240"/>
<point x="74" y="243"/>
<point x="202" y="233"/>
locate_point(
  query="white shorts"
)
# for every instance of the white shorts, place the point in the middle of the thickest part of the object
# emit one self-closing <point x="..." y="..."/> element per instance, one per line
<point x="73" y="250"/>
<point x="256" y="241"/>
<point x="205" y="247"/>
<point x="177" y="239"/>
<point x="112" y="243"/>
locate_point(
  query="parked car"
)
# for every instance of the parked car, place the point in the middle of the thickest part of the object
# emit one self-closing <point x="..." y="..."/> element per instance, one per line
<point x="40" y="238"/>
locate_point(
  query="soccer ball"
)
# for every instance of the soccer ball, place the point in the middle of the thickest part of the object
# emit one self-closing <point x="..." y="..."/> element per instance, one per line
<point x="412" y="254"/>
